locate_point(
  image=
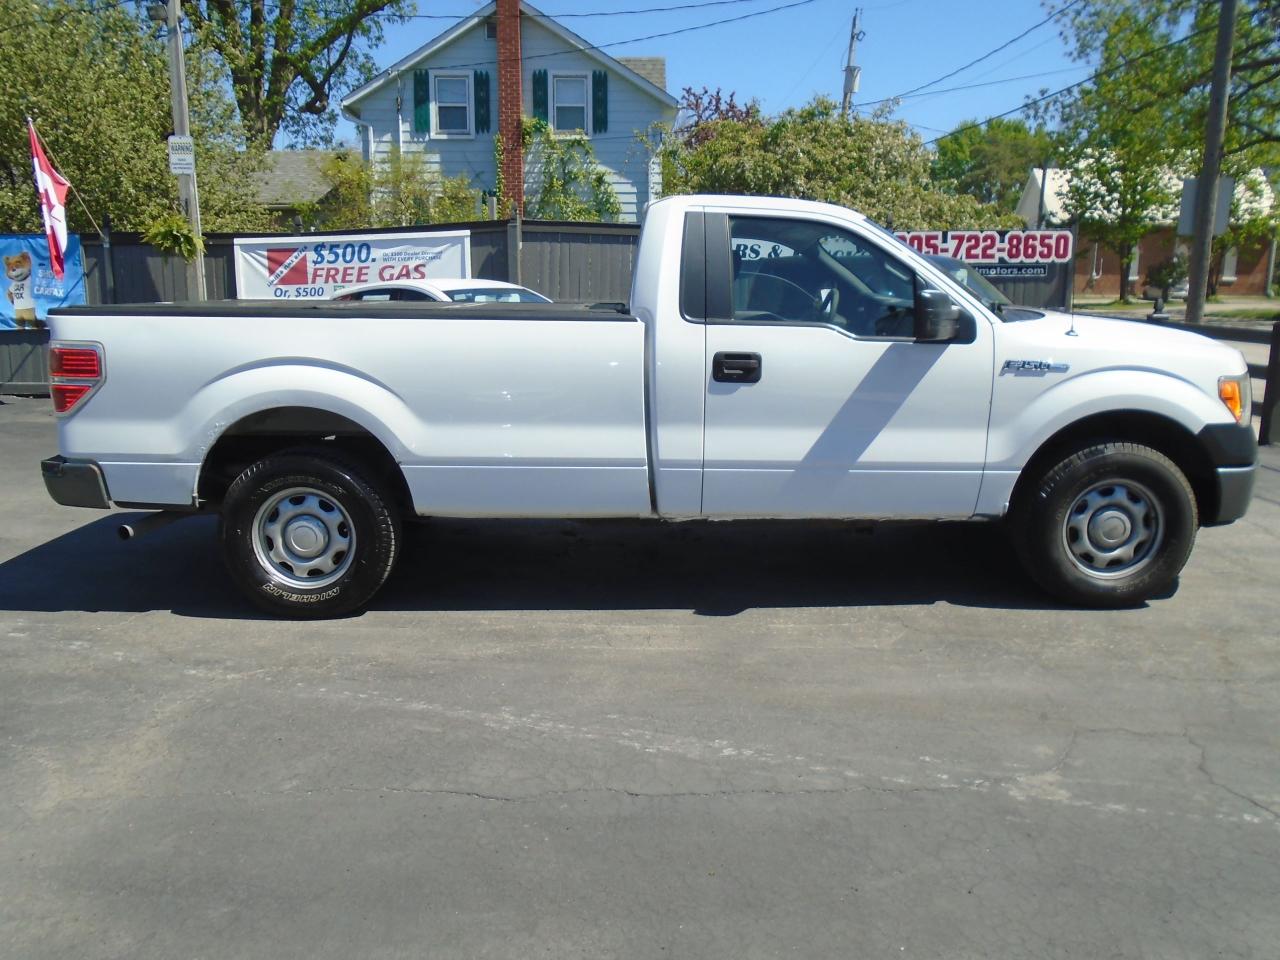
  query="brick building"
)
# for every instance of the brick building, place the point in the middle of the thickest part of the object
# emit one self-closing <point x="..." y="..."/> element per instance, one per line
<point x="1245" y="270"/>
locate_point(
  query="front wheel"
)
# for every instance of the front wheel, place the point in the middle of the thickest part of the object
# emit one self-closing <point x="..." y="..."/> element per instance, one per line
<point x="308" y="535"/>
<point x="1110" y="525"/>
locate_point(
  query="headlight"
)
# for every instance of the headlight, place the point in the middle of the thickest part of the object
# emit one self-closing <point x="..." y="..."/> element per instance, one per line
<point x="1236" y="394"/>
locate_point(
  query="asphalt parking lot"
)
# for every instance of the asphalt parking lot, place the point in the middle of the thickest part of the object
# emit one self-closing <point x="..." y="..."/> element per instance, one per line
<point x="624" y="740"/>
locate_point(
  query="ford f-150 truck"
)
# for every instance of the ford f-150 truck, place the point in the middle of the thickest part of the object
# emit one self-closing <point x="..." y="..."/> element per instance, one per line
<point x="778" y="359"/>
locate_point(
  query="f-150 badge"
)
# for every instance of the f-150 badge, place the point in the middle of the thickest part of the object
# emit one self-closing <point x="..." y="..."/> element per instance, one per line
<point x="1034" y="366"/>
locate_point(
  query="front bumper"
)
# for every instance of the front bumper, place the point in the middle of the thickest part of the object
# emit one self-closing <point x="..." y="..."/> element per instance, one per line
<point x="1235" y="490"/>
<point x="75" y="483"/>
<point x="1233" y="450"/>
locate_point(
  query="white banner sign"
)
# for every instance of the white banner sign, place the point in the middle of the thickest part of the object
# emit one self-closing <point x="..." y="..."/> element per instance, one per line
<point x="317" y="267"/>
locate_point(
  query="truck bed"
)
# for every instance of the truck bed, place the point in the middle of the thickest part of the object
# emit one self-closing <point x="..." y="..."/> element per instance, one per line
<point x="494" y="409"/>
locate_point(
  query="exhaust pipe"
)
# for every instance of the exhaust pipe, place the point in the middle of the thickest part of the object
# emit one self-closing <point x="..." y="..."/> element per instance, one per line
<point x="145" y="524"/>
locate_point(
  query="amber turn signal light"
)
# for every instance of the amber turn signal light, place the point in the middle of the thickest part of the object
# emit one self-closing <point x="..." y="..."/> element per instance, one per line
<point x="1230" y="393"/>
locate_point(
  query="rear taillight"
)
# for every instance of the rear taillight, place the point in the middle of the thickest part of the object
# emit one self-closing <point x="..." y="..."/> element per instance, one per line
<point x="75" y="362"/>
<point x="67" y="395"/>
<point x="75" y="370"/>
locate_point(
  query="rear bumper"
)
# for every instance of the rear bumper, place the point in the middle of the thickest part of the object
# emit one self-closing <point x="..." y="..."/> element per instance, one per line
<point x="1233" y="449"/>
<point x="75" y="483"/>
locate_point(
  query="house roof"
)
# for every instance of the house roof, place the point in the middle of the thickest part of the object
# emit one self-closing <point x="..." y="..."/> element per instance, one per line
<point x="1055" y="190"/>
<point x="291" y="177"/>
<point x="653" y="69"/>
<point x="572" y="40"/>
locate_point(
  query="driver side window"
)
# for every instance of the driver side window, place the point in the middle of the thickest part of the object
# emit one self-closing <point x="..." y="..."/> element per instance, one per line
<point x="801" y="271"/>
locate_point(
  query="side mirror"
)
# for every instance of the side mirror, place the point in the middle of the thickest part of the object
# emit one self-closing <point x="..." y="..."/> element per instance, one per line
<point x="938" y="317"/>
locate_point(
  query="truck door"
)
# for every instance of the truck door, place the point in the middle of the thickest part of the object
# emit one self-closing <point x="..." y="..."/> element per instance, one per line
<point x="820" y="402"/>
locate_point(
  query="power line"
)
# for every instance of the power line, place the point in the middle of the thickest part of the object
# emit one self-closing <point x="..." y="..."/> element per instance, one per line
<point x="619" y="43"/>
<point x="986" y="56"/>
<point x="583" y="13"/>
<point x="991" y="83"/>
<point x="1079" y="83"/>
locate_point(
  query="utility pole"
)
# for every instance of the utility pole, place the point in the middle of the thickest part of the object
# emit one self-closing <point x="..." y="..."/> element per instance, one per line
<point x="1207" y="184"/>
<point x="852" y="72"/>
<point x="188" y="192"/>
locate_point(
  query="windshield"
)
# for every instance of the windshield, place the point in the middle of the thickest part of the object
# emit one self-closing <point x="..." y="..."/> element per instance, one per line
<point x="970" y="278"/>
<point x="496" y="295"/>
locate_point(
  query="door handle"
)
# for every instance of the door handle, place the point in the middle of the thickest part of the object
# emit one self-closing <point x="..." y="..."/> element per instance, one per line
<point x="736" y="367"/>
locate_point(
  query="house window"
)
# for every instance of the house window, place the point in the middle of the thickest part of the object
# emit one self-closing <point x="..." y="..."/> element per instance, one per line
<point x="569" y="103"/>
<point x="452" y="98"/>
<point x="1230" y="264"/>
<point x="491" y="28"/>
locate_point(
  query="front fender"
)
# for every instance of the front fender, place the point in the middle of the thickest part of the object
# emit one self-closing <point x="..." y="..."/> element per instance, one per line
<point x="1019" y="429"/>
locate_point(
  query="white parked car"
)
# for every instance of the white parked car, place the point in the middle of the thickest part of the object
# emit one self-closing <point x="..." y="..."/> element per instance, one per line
<point x="778" y="358"/>
<point x="462" y="290"/>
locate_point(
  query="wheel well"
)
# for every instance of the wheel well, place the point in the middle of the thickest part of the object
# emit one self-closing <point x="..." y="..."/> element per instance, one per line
<point x="270" y="431"/>
<point x="1133" y="426"/>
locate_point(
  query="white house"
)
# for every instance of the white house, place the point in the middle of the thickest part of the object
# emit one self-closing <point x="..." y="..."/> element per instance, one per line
<point x="449" y="99"/>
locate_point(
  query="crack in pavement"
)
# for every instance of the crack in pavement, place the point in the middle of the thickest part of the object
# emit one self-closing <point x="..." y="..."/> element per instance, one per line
<point x="1203" y="767"/>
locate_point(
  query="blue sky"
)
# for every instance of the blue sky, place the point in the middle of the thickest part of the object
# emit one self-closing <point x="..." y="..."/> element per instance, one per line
<point x="784" y="58"/>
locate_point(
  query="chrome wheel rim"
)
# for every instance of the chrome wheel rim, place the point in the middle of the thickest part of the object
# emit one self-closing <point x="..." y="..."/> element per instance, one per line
<point x="304" y="538"/>
<point x="1113" y="529"/>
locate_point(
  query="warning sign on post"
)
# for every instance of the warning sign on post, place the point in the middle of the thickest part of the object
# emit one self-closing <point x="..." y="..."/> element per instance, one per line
<point x="182" y="155"/>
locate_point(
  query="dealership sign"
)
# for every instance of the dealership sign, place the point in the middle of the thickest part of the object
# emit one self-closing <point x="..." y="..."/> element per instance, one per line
<point x="997" y="254"/>
<point x="28" y="285"/>
<point x="301" y="268"/>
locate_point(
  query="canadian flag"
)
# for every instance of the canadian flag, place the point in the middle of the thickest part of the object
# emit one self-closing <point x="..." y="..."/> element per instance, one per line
<point x="52" y="188"/>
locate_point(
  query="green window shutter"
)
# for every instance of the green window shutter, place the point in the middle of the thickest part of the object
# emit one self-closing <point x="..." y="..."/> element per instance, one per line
<point x="540" y="95"/>
<point x="481" y="97"/>
<point x="482" y="101"/>
<point x="422" y="101"/>
<point x="599" y="101"/>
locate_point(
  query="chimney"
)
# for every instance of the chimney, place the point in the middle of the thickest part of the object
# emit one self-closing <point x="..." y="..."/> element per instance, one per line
<point x="510" y="100"/>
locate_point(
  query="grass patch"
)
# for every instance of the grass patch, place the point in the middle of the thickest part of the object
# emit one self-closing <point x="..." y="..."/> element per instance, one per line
<point x="1114" y="304"/>
<point x="1249" y="313"/>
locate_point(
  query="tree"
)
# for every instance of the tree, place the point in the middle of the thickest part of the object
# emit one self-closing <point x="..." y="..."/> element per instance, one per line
<point x="872" y="164"/>
<point x="1165" y="78"/>
<point x="701" y="109"/>
<point x="97" y="84"/>
<point x="286" y="58"/>
<point x="1121" y="179"/>
<point x="990" y="162"/>
<point x="398" y="192"/>
<point x="1139" y="126"/>
<point x="1116" y="193"/>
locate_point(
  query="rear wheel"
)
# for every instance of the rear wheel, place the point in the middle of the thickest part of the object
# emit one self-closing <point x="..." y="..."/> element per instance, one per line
<point x="307" y="534"/>
<point x="1110" y="525"/>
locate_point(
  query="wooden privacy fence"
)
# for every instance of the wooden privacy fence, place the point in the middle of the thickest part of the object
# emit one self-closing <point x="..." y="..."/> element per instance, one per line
<point x="575" y="262"/>
<point x="564" y="261"/>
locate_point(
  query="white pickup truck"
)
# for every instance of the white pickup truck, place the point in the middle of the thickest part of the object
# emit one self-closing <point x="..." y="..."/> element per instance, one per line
<point x="778" y="359"/>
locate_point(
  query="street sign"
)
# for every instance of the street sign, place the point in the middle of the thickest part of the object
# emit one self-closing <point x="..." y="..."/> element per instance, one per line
<point x="182" y="155"/>
<point x="1187" y="212"/>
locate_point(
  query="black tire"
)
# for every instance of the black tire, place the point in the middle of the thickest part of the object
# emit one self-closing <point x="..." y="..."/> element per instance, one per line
<point x="335" y="497"/>
<point x="1083" y="504"/>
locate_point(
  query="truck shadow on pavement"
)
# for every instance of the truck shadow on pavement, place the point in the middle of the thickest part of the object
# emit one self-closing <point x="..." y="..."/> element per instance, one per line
<point x="713" y="569"/>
